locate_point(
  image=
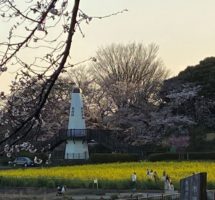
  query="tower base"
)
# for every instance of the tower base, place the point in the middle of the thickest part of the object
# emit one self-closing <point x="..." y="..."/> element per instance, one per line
<point x="76" y="149"/>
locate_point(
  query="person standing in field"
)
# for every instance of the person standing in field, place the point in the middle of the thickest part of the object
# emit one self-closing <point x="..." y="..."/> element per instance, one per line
<point x="134" y="181"/>
<point x="164" y="176"/>
<point x="151" y="173"/>
<point x="147" y="173"/>
<point x="165" y="181"/>
<point x="155" y="176"/>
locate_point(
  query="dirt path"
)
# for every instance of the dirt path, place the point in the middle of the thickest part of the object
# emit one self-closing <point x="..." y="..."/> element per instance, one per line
<point x="71" y="194"/>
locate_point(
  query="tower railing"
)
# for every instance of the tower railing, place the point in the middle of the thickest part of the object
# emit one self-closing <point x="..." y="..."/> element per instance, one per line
<point x="76" y="133"/>
<point x="77" y="156"/>
<point x="108" y="138"/>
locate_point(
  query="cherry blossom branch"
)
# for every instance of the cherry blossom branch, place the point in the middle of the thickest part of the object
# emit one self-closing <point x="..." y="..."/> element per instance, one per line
<point x="51" y="81"/>
<point x="21" y="44"/>
<point x="20" y="13"/>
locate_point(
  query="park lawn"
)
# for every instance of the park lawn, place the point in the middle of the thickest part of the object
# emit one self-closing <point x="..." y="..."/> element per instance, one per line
<point x="116" y="175"/>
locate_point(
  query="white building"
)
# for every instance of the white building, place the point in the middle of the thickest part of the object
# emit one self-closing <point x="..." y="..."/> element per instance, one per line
<point x="76" y="145"/>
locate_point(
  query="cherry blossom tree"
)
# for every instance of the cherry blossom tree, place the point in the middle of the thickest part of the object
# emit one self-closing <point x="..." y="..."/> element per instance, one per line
<point x="180" y="143"/>
<point x="38" y="48"/>
<point x="35" y="19"/>
<point x="19" y="104"/>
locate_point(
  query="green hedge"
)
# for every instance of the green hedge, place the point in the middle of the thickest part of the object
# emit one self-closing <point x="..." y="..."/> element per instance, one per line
<point x="114" y="157"/>
<point x="182" y="156"/>
<point x="202" y="156"/>
<point x="4" y="161"/>
<point x="41" y="182"/>
<point x="44" y="182"/>
<point x="163" y="156"/>
<point x="98" y="158"/>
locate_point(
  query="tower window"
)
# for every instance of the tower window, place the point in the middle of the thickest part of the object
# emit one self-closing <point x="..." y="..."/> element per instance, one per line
<point x="82" y="113"/>
<point x="72" y="111"/>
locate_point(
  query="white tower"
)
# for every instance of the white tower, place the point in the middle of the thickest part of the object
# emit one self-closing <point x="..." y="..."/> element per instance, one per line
<point x="76" y="146"/>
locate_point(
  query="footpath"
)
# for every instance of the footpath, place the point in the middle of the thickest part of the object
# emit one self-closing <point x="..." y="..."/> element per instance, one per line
<point x="75" y="194"/>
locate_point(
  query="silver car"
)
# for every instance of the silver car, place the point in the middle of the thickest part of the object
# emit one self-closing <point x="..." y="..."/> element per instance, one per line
<point x="23" y="161"/>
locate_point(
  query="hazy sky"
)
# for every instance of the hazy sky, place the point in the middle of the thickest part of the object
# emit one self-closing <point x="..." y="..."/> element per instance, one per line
<point x="184" y="30"/>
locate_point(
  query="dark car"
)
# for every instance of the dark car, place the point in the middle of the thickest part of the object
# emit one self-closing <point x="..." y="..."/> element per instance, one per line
<point x="23" y="161"/>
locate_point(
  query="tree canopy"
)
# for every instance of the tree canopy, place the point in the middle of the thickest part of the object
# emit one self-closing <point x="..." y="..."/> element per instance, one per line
<point x="202" y="74"/>
<point x="130" y="74"/>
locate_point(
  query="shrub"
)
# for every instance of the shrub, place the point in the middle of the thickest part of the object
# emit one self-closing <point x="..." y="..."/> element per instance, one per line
<point x="51" y="184"/>
<point x="201" y="156"/>
<point x="4" y="161"/>
<point x="182" y="156"/>
<point x="115" y="157"/>
<point x="163" y="156"/>
<point x="114" y="196"/>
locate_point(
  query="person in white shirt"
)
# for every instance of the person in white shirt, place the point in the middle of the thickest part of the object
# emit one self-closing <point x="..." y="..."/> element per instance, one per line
<point x="134" y="180"/>
<point x="63" y="190"/>
<point x="171" y="187"/>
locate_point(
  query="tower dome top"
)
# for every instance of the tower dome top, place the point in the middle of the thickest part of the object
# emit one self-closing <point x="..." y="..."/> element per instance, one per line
<point x="76" y="90"/>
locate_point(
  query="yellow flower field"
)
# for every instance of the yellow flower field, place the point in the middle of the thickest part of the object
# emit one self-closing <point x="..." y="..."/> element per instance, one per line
<point x="117" y="171"/>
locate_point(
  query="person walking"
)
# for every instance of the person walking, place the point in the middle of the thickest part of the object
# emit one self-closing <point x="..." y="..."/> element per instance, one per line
<point x="134" y="181"/>
<point x="171" y="187"/>
<point x="59" y="190"/>
<point x="63" y="189"/>
<point x="167" y="186"/>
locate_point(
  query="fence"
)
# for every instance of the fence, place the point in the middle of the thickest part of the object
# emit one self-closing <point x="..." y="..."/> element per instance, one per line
<point x="175" y="196"/>
<point x="77" y="156"/>
<point x="211" y="194"/>
<point x="108" y="138"/>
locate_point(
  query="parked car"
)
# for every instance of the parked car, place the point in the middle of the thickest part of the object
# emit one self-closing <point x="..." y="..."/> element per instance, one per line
<point x="23" y="161"/>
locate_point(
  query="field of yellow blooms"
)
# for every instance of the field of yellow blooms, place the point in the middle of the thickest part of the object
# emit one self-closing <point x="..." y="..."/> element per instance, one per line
<point x="117" y="172"/>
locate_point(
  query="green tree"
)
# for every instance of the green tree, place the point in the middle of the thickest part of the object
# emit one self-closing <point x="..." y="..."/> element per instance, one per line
<point x="202" y="74"/>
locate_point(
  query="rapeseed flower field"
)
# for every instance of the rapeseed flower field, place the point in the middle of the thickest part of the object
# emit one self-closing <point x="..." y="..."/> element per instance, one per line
<point x="112" y="175"/>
